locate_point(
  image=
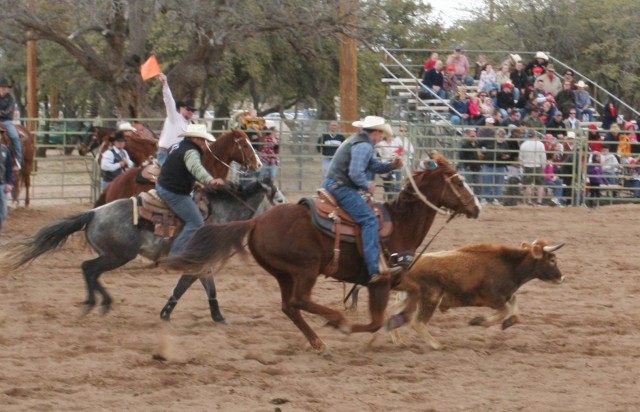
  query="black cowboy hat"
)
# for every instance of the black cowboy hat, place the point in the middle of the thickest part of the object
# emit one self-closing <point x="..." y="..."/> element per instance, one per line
<point x="4" y="82"/>
<point x="119" y="136"/>
<point x="188" y="103"/>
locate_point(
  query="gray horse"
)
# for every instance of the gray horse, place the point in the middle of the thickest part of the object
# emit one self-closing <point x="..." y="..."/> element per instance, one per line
<point x="110" y="232"/>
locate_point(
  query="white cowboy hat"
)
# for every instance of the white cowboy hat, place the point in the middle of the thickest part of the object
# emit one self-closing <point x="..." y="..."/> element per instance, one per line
<point x="126" y="127"/>
<point x="374" y="123"/>
<point x="581" y="84"/>
<point x="541" y="55"/>
<point x="198" y="130"/>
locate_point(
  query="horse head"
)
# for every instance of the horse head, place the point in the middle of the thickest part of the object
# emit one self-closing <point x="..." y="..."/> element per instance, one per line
<point x="443" y="187"/>
<point x="232" y="146"/>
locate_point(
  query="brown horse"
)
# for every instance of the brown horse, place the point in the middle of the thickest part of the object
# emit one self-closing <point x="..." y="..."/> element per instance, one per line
<point x="232" y="146"/>
<point x="140" y="145"/>
<point x="285" y="242"/>
<point x="22" y="176"/>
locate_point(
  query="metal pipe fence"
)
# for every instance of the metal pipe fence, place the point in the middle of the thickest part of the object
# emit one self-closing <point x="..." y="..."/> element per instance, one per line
<point x="63" y="178"/>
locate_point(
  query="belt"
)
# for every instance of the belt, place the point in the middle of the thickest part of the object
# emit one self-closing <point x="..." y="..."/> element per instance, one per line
<point x="163" y="149"/>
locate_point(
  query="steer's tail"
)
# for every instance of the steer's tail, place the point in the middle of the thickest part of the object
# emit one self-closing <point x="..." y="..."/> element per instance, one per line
<point x="48" y="238"/>
<point x="210" y="245"/>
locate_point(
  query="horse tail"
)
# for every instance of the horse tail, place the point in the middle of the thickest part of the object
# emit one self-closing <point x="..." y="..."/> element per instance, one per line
<point x="211" y="245"/>
<point x="50" y="237"/>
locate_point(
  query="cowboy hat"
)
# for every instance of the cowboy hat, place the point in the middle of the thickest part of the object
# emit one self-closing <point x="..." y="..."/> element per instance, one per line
<point x="581" y="84"/>
<point x="541" y="55"/>
<point x="126" y="127"/>
<point x="198" y="130"/>
<point x="374" y="123"/>
<point x="4" y="82"/>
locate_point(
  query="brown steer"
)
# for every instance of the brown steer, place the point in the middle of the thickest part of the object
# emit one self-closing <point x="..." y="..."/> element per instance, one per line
<point x="479" y="275"/>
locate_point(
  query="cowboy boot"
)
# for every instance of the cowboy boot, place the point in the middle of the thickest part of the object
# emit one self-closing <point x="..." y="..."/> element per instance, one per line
<point x="216" y="315"/>
<point x="165" y="313"/>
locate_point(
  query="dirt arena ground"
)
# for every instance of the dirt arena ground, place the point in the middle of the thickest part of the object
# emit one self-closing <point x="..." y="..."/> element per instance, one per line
<point x="575" y="350"/>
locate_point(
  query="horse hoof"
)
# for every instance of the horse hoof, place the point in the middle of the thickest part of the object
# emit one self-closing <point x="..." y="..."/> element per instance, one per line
<point x="104" y="309"/>
<point x="508" y="322"/>
<point x="220" y="320"/>
<point x="477" y="321"/>
<point x="86" y="308"/>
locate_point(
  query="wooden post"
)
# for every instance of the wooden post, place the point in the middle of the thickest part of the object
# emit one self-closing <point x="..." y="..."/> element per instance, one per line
<point x="348" y="68"/>
<point x="32" y="88"/>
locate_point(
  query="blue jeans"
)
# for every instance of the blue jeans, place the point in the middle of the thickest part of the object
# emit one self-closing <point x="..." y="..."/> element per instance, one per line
<point x="15" y="139"/>
<point x="187" y="210"/>
<point x="268" y="170"/>
<point x="162" y="157"/>
<point x="493" y="181"/>
<point x="326" y="161"/>
<point x="3" y="207"/>
<point x="556" y="185"/>
<point x="353" y="203"/>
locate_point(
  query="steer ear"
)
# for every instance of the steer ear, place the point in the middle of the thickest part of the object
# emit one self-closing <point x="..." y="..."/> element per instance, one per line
<point x="537" y="250"/>
<point x="550" y="249"/>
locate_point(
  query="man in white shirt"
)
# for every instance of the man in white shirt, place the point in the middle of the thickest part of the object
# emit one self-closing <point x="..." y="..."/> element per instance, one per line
<point x="179" y="116"/>
<point x="533" y="158"/>
<point x="115" y="160"/>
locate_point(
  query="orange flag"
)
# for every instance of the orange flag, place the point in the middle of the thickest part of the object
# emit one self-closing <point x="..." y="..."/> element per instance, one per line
<point x="150" y="68"/>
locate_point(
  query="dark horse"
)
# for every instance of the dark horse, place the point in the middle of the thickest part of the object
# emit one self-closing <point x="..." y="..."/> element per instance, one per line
<point x="23" y="175"/>
<point x="232" y="146"/>
<point x="285" y="242"/>
<point x="110" y="231"/>
<point x="143" y="144"/>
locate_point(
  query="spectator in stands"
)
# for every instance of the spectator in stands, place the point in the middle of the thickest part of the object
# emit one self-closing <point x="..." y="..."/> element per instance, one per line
<point x="513" y="118"/>
<point x="540" y="93"/>
<point x="631" y="174"/>
<point x="488" y="78"/>
<point x="388" y="148"/>
<point x="269" y="153"/>
<point x="555" y="124"/>
<point x="504" y="74"/>
<point x="551" y="83"/>
<point x="596" y="179"/>
<point x="461" y="63"/>
<point x="328" y="144"/>
<point x="475" y="117"/>
<point x="609" y="114"/>
<point x="612" y="138"/>
<point x="568" y="77"/>
<point x="433" y="83"/>
<point x="572" y="123"/>
<point x="406" y="149"/>
<point x="583" y="101"/>
<point x="480" y="65"/>
<point x="514" y="140"/>
<point x="470" y="160"/>
<point x="505" y="101"/>
<point x="450" y="82"/>
<point x="532" y="120"/>
<point x="630" y="129"/>
<point x="568" y="168"/>
<point x="533" y="159"/>
<point x="551" y="171"/>
<point x="526" y="102"/>
<point x="496" y="158"/>
<point x="485" y="106"/>
<point x="540" y="60"/>
<point x="566" y="99"/>
<point x="610" y="165"/>
<point x="594" y="140"/>
<point x="520" y="80"/>
<point x="435" y="56"/>
<point x="460" y="103"/>
<point x="547" y="111"/>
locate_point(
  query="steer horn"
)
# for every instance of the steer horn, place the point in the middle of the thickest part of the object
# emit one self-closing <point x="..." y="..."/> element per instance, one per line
<point x="550" y="249"/>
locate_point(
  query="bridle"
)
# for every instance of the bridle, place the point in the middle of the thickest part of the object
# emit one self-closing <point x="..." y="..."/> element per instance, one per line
<point x="239" y="147"/>
<point x="449" y="183"/>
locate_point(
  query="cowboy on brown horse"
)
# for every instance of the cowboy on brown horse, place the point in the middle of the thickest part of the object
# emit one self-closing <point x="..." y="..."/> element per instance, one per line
<point x="7" y="105"/>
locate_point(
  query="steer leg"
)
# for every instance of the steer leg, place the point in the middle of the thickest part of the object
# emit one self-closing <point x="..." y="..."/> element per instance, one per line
<point x="431" y="298"/>
<point x="513" y="317"/>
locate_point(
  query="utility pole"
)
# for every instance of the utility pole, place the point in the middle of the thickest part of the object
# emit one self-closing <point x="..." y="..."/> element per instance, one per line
<point x="32" y="86"/>
<point x="348" y="67"/>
